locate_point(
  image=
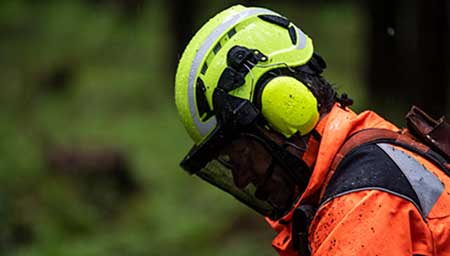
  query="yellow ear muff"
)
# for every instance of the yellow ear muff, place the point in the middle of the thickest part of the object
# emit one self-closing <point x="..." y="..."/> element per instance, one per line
<point x="289" y="106"/>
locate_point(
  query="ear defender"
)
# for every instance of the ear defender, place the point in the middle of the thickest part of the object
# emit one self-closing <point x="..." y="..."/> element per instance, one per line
<point x="288" y="106"/>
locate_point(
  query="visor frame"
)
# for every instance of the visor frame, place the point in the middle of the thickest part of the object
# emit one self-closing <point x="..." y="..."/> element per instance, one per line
<point x="236" y="115"/>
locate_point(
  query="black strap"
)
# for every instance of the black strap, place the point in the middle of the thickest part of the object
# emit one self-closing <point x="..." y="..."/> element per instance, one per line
<point x="301" y="219"/>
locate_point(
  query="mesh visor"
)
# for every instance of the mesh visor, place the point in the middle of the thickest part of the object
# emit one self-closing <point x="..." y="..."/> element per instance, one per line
<point x="217" y="174"/>
<point x="245" y="169"/>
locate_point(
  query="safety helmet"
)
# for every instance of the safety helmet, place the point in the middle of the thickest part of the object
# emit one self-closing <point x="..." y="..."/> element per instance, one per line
<point x="235" y="72"/>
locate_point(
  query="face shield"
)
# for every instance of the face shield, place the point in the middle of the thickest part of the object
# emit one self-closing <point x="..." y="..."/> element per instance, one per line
<point x="241" y="159"/>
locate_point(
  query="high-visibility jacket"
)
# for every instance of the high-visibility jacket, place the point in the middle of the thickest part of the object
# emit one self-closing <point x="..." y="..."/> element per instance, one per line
<point x="406" y="210"/>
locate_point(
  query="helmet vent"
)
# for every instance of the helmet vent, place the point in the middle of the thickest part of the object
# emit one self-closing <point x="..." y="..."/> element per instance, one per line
<point x="293" y="35"/>
<point x="231" y="33"/>
<point x="204" y="68"/>
<point x="217" y="48"/>
<point x="274" y="19"/>
<point x="203" y="108"/>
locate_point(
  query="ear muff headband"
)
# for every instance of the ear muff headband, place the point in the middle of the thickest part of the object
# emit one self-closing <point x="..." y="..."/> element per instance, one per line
<point x="288" y="105"/>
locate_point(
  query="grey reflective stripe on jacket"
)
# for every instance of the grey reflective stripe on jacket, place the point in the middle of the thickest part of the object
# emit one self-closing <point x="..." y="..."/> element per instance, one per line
<point x="427" y="186"/>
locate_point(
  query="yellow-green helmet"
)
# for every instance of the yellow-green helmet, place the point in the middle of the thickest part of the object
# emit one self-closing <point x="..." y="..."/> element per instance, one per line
<point x="281" y="43"/>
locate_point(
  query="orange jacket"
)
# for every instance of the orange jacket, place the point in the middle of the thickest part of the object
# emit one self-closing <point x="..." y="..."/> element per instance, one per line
<point x="370" y="221"/>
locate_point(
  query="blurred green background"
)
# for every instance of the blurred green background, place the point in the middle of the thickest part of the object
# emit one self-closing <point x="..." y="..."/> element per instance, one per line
<point x="90" y="139"/>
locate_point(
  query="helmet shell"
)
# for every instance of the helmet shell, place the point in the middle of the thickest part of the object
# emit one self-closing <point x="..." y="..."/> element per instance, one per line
<point x="205" y="58"/>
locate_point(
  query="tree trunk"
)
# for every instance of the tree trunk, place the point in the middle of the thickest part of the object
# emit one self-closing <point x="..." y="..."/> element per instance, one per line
<point x="408" y="56"/>
<point x="434" y="56"/>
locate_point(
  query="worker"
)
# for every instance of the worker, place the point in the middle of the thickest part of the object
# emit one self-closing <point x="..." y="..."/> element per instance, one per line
<point x="271" y="131"/>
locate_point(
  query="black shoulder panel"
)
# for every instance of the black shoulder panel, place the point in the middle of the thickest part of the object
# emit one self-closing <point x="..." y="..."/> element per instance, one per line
<point x="369" y="167"/>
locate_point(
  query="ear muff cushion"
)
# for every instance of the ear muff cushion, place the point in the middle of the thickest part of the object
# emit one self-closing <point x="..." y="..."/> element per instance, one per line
<point x="289" y="106"/>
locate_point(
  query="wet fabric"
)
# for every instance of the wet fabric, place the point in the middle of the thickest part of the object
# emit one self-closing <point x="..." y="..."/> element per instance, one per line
<point x="367" y="222"/>
<point x="369" y="167"/>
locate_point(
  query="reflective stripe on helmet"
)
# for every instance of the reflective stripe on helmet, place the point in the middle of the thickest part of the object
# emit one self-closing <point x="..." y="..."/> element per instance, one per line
<point x="302" y="39"/>
<point x="205" y="127"/>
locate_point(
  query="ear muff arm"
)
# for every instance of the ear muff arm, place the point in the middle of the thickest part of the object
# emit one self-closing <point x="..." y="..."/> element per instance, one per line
<point x="234" y="113"/>
<point x="239" y="60"/>
<point x="238" y="56"/>
<point x="230" y="79"/>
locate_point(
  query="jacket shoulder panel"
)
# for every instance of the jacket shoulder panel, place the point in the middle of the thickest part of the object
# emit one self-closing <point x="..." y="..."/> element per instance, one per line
<point x="382" y="167"/>
<point x="427" y="186"/>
